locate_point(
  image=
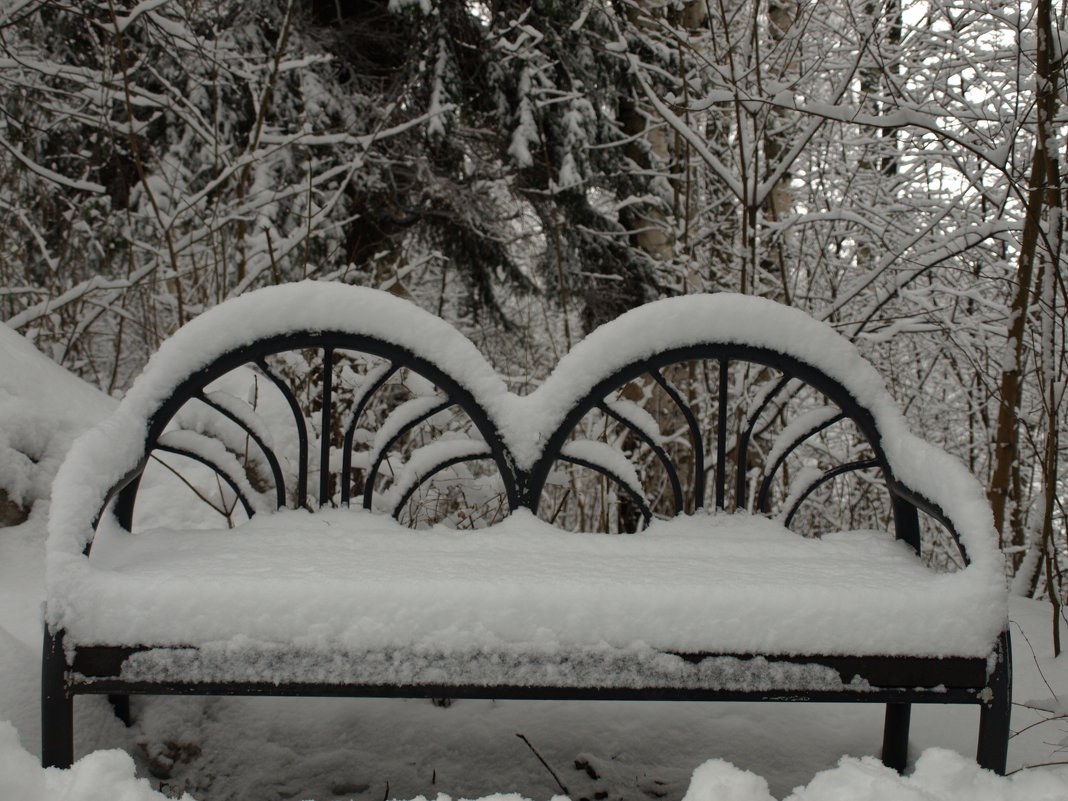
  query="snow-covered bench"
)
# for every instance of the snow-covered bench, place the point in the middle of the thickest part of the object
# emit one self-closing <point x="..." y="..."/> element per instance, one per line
<point x="395" y="522"/>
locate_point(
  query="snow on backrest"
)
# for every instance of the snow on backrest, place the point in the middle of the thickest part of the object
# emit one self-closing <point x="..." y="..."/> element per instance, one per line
<point x="758" y="407"/>
<point x="695" y="402"/>
<point x="249" y="374"/>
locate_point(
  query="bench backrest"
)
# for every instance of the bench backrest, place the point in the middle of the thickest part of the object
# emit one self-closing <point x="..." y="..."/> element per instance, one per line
<point x="314" y="394"/>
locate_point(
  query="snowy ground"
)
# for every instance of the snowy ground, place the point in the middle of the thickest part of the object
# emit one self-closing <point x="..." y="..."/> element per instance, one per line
<point x="268" y="749"/>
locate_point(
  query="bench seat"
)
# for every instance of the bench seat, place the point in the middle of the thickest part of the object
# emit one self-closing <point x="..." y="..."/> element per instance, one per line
<point x="706" y="583"/>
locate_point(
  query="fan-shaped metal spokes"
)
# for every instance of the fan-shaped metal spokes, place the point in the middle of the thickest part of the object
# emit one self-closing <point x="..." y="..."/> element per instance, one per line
<point x="422" y="461"/>
<point x="716" y="427"/>
<point x="319" y="419"/>
<point x="346" y="415"/>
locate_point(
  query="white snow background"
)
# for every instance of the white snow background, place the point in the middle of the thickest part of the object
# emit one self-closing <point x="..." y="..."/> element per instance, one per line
<point x="216" y="749"/>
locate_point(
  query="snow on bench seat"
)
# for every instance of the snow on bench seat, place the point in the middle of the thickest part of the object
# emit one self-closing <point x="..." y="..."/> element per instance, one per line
<point x="353" y="581"/>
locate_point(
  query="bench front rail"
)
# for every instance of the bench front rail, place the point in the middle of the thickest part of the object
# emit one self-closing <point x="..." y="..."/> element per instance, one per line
<point x="668" y="420"/>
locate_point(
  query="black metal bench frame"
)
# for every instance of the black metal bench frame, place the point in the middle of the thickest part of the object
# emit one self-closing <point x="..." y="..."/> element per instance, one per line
<point x="896" y="682"/>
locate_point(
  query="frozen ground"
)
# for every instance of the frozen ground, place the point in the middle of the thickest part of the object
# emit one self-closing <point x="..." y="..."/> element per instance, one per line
<point x="273" y="749"/>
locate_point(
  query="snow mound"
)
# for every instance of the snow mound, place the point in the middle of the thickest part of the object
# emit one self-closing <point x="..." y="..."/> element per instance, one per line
<point x="99" y="776"/>
<point x="43" y="407"/>
<point x="940" y="775"/>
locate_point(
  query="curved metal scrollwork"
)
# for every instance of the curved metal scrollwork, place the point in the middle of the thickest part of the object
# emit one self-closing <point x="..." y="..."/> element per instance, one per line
<point x="331" y="387"/>
<point x="779" y="432"/>
<point x="745" y="427"/>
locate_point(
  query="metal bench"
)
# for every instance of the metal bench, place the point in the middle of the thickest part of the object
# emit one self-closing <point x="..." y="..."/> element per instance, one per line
<point x="725" y="448"/>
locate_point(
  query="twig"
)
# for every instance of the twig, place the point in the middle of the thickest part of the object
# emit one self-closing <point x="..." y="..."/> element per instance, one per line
<point x="198" y="493"/>
<point x="552" y="772"/>
<point x="1034" y="656"/>
<point x="1037" y="722"/>
<point x="1037" y="765"/>
<point x="559" y="506"/>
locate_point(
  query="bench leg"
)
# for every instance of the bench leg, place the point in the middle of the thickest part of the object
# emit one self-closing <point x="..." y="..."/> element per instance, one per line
<point x="57" y="705"/>
<point x="896" y="736"/>
<point x="993" y="750"/>
<point x="120" y="705"/>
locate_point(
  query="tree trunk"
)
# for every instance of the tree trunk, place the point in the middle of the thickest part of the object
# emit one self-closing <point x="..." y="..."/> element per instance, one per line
<point x="1043" y="199"/>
